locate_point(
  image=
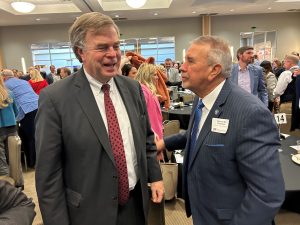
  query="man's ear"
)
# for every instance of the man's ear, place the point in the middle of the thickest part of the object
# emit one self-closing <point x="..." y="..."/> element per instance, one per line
<point x="215" y="71"/>
<point x="79" y="52"/>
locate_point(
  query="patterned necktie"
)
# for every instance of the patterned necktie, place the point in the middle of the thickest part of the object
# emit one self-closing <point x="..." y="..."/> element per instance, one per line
<point x="117" y="146"/>
<point x="197" y="118"/>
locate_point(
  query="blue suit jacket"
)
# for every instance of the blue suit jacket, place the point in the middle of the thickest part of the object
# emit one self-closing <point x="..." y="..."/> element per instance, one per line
<point x="233" y="178"/>
<point x="257" y="83"/>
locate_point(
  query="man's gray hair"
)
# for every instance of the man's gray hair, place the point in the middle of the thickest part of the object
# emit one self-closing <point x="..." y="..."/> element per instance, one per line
<point x="7" y="73"/>
<point x="94" y="22"/>
<point x="219" y="52"/>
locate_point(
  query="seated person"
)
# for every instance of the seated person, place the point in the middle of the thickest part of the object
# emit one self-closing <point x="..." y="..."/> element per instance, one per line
<point x="174" y="78"/>
<point x="15" y="207"/>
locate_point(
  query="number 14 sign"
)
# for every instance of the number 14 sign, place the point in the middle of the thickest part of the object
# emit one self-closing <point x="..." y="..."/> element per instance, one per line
<point x="280" y="118"/>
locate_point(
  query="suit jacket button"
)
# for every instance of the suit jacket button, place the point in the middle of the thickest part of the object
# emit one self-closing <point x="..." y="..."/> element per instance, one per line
<point x="115" y="177"/>
<point x="115" y="198"/>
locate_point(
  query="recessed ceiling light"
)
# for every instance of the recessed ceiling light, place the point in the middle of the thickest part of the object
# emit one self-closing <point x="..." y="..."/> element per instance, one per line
<point x="117" y="16"/>
<point x="194" y="12"/>
<point x="23" y="7"/>
<point x="269" y="8"/>
<point x="155" y="14"/>
<point x="37" y="19"/>
<point x="231" y="10"/>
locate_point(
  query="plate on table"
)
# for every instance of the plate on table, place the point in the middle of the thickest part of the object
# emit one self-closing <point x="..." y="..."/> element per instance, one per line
<point x="296" y="158"/>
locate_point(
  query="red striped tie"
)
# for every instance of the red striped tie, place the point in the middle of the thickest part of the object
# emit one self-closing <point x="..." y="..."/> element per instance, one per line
<point x="117" y="146"/>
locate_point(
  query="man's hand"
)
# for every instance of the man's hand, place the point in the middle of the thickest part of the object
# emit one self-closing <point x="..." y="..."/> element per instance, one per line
<point x="160" y="145"/>
<point x="296" y="72"/>
<point x="158" y="190"/>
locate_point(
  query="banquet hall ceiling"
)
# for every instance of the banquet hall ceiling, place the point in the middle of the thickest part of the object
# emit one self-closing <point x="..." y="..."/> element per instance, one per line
<point x="66" y="11"/>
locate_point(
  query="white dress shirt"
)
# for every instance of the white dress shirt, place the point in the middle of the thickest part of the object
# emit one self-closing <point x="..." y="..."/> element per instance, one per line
<point x="209" y="101"/>
<point x="244" y="79"/>
<point x="123" y="120"/>
<point x="284" y="79"/>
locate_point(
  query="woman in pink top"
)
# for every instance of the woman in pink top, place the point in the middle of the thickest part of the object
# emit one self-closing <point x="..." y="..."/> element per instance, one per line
<point x="147" y="76"/>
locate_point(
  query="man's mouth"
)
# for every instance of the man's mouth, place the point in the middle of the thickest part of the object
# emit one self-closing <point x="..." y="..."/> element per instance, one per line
<point x="110" y="65"/>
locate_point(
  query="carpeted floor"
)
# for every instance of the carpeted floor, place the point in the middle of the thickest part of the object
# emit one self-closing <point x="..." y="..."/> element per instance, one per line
<point x="174" y="209"/>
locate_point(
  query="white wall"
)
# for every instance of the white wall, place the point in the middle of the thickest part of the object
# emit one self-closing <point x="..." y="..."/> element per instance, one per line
<point x="287" y="26"/>
<point x="184" y="30"/>
<point x="15" y="41"/>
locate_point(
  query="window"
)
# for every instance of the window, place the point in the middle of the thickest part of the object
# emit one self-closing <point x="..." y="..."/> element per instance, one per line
<point x="158" y="47"/>
<point x="263" y="42"/>
<point x="58" y="54"/>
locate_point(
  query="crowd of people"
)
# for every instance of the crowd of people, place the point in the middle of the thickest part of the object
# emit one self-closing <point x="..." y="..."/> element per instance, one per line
<point x="96" y="138"/>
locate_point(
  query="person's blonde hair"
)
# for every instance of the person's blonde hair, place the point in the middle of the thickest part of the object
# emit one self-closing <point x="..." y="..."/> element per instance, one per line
<point x="145" y="75"/>
<point x="293" y="58"/>
<point x="35" y="75"/>
<point x="4" y="95"/>
<point x="94" y="22"/>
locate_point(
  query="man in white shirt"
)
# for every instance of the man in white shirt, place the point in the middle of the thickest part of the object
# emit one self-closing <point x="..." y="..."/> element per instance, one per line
<point x="248" y="76"/>
<point x="231" y="165"/>
<point x="285" y="88"/>
<point x="95" y="147"/>
<point x="173" y="75"/>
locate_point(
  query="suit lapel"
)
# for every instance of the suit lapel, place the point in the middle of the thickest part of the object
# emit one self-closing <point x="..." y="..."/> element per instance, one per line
<point x="131" y="111"/>
<point x="235" y="73"/>
<point x="215" y="112"/>
<point x="89" y="106"/>
<point x="251" y="74"/>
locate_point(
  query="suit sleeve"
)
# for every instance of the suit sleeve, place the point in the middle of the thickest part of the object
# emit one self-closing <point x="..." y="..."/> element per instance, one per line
<point x="15" y="207"/>
<point x="258" y="163"/>
<point x="49" y="174"/>
<point x="262" y="89"/>
<point x="176" y="141"/>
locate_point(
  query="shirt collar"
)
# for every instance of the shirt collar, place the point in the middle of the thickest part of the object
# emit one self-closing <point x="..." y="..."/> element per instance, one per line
<point x="96" y="85"/>
<point x="209" y="100"/>
<point x="247" y="68"/>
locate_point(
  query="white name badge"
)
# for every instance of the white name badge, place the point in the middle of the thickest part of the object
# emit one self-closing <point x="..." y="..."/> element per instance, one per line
<point x="280" y="118"/>
<point x="219" y="125"/>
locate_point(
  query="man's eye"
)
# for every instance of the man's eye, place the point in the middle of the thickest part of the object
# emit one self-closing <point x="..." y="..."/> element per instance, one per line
<point x="116" y="47"/>
<point x="101" y="49"/>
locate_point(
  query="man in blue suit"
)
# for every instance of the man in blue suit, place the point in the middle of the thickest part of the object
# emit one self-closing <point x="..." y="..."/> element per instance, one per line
<point x="249" y="76"/>
<point x="232" y="175"/>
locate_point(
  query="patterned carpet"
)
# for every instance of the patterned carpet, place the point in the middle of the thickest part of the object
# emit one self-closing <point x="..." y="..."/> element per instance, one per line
<point x="174" y="209"/>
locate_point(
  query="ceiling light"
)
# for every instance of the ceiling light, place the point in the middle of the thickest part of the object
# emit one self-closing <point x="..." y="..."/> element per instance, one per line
<point x="269" y="8"/>
<point x="37" y="19"/>
<point x="136" y="3"/>
<point x="23" y="7"/>
<point x="194" y="12"/>
<point x="155" y="14"/>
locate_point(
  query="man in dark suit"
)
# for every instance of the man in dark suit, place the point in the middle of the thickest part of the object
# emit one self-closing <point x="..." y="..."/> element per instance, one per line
<point x="231" y="166"/>
<point x="79" y="176"/>
<point x="248" y="76"/>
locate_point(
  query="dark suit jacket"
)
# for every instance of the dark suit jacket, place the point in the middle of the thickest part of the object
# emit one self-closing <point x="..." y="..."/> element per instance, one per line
<point x="76" y="173"/>
<point x="257" y="83"/>
<point x="15" y="207"/>
<point x="233" y="178"/>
